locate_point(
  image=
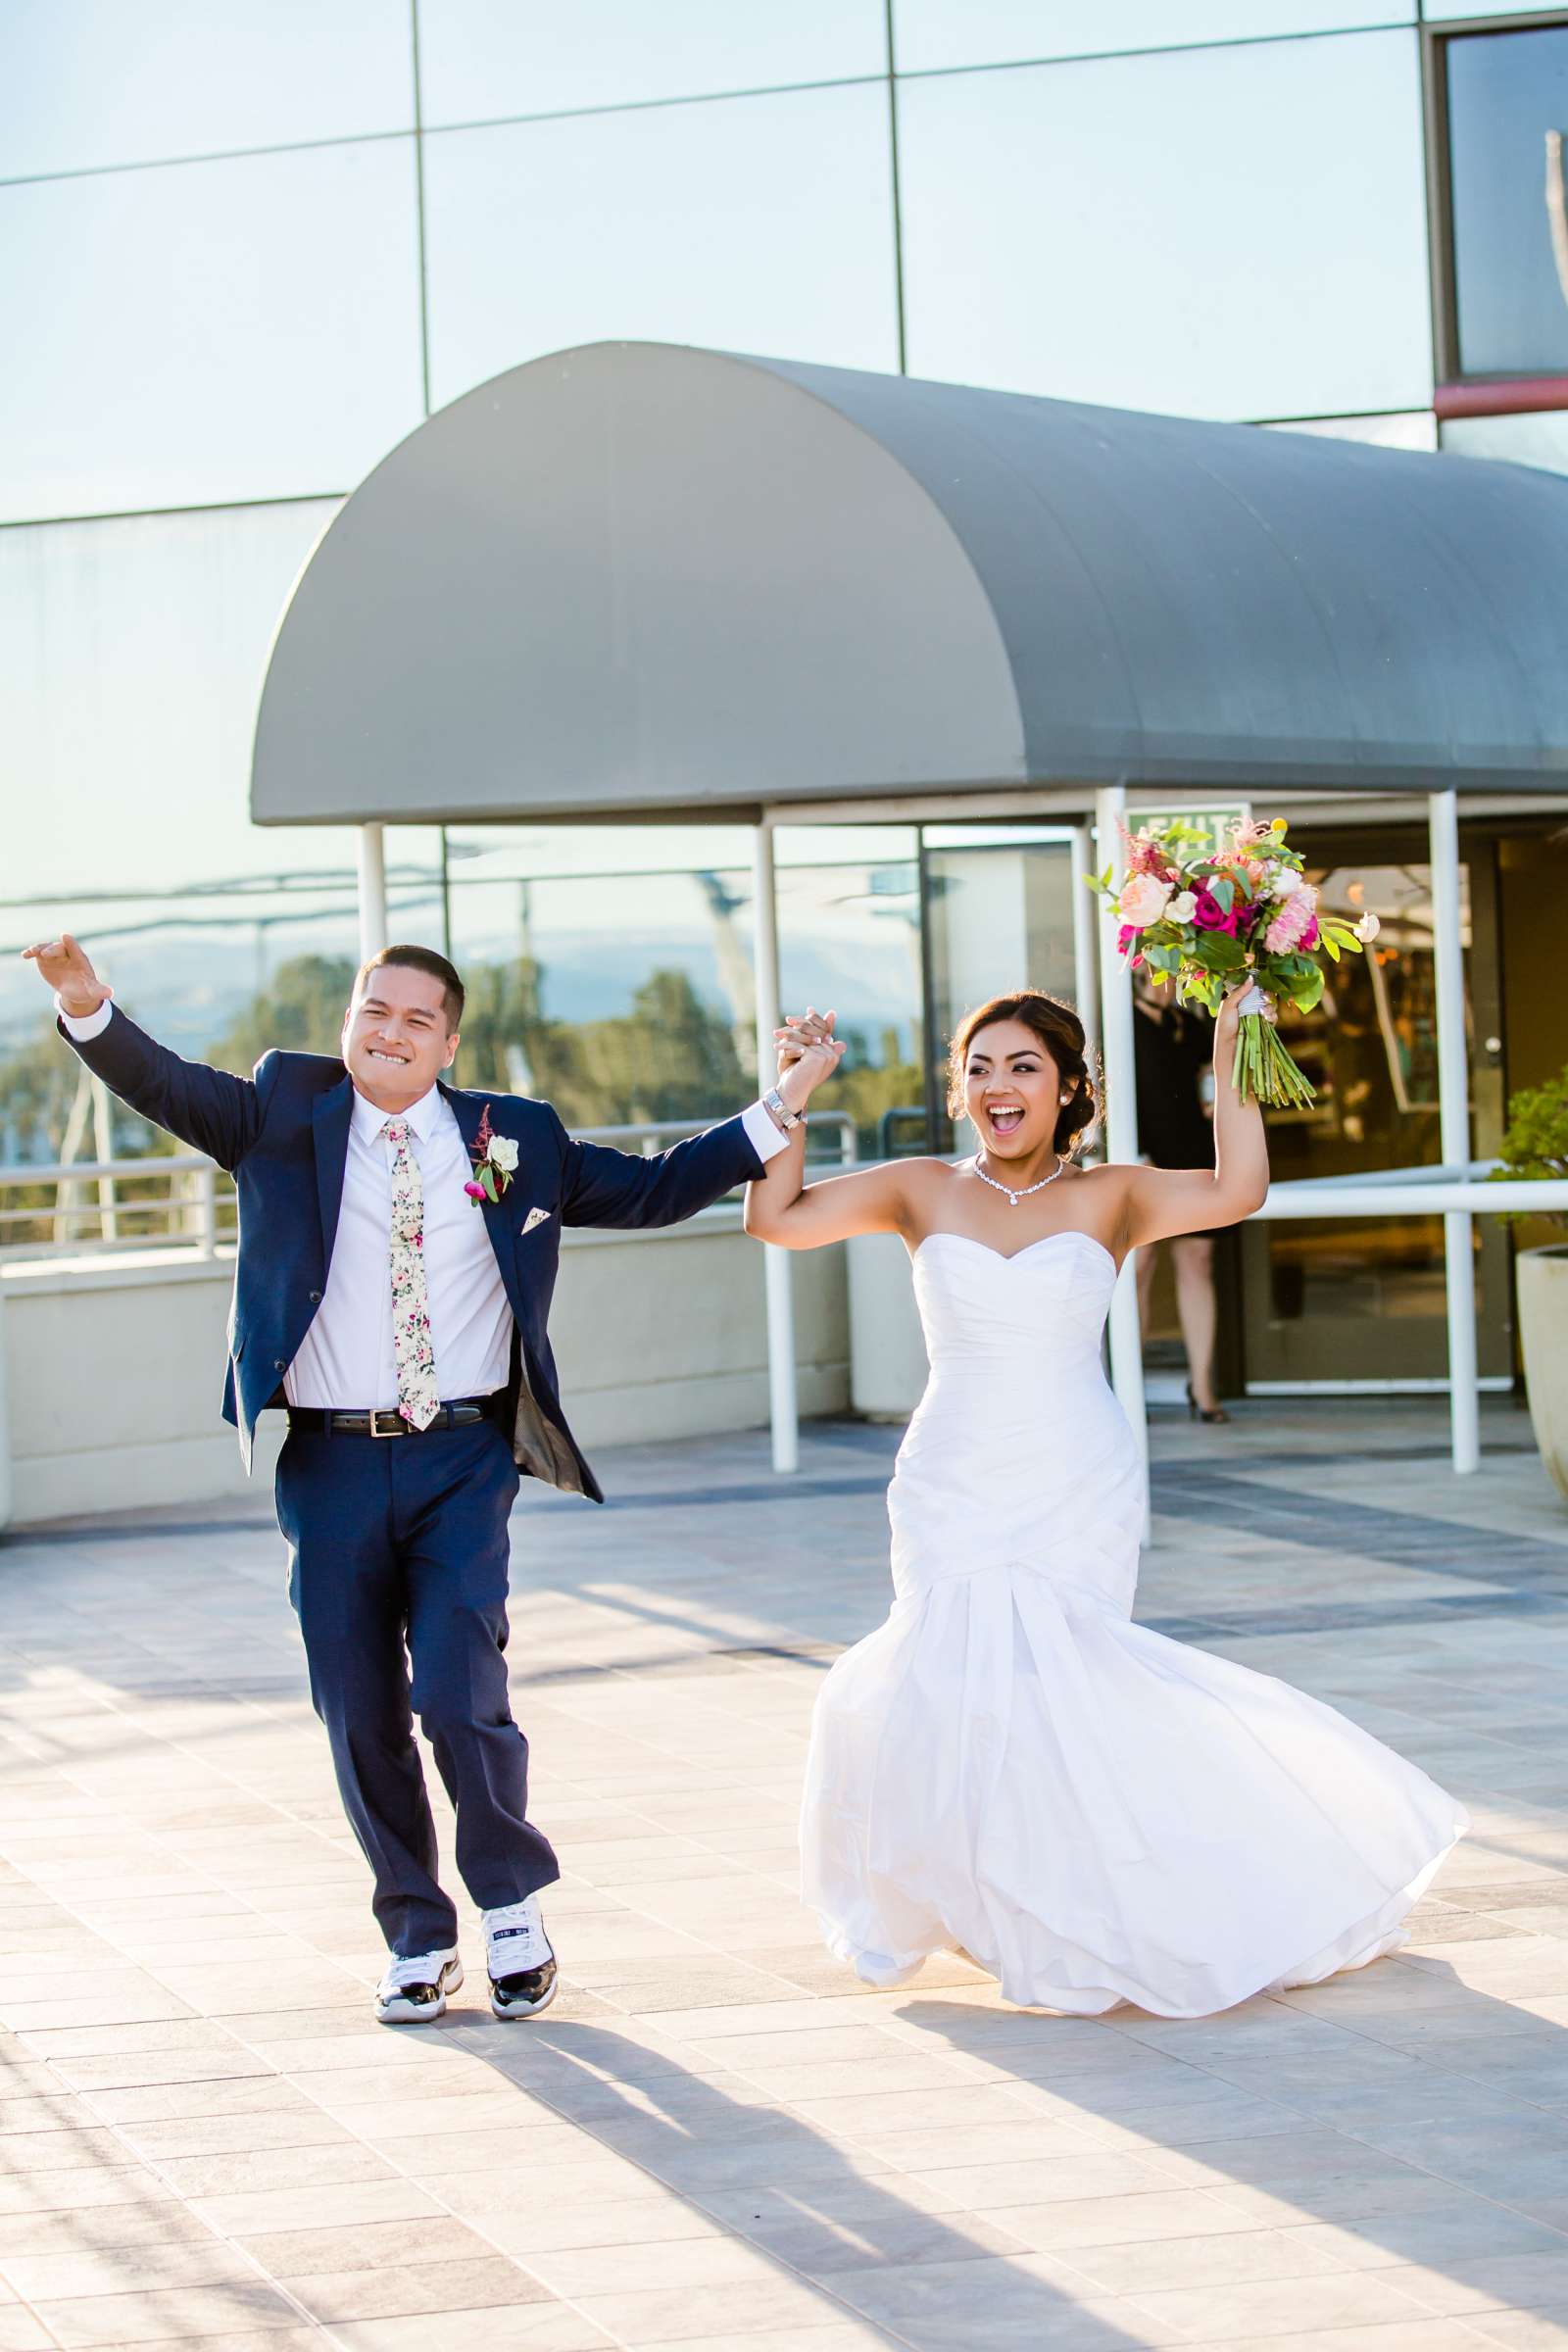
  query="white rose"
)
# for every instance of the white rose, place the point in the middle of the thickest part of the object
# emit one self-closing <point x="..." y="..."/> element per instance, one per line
<point x="504" y="1154"/>
<point x="1367" y="930"/>
<point x="1183" y="907"/>
<point x="1286" y="883"/>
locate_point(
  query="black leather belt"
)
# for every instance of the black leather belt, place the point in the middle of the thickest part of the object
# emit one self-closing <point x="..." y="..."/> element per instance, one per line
<point x="388" y="1422"/>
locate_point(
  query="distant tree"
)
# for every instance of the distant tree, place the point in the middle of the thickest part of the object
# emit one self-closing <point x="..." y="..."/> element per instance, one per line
<point x="301" y="1009"/>
<point x="38" y="1087"/>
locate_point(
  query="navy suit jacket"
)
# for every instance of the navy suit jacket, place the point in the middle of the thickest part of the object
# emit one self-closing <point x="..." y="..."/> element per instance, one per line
<point x="284" y="1134"/>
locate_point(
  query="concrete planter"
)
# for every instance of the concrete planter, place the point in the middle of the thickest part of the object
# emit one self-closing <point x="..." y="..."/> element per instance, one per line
<point x="1543" y="1338"/>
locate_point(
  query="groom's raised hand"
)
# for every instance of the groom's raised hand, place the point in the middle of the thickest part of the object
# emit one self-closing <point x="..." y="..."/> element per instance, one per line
<point x="65" y="966"/>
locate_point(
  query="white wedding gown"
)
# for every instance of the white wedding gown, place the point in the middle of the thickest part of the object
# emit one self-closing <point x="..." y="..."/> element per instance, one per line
<point x="1010" y="1768"/>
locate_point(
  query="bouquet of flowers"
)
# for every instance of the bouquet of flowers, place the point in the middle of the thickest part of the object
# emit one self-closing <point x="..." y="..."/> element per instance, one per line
<point x="1207" y="919"/>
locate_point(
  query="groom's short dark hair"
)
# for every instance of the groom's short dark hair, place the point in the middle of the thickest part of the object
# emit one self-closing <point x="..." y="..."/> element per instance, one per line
<point x="421" y="959"/>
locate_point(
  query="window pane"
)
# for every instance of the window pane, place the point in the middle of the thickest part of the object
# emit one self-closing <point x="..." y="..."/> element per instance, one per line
<point x="609" y="968"/>
<point x="481" y="58"/>
<point x="1002" y="918"/>
<point x="85" y="83"/>
<point x="1507" y="114"/>
<point x="208" y="332"/>
<point x="848" y="923"/>
<point x="1518" y="440"/>
<point x="1160" y="233"/>
<point x="541" y="235"/>
<point x="135" y="653"/>
<point x="930" y="35"/>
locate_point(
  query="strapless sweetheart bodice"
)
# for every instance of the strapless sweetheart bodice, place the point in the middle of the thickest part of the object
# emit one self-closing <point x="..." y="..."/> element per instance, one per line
<point x="1018" y="1442"/>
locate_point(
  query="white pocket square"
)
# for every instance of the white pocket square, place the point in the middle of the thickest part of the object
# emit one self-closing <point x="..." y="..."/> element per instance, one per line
<point x="535" y="1216"/>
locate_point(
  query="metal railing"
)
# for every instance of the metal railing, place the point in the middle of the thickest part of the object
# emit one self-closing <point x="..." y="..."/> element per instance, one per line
<point x="184" y="1199"/>
<point x="120" y="1205"/>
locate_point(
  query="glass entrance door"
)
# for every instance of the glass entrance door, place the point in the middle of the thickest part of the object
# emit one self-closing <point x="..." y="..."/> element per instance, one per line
<point x="1364" y="1301"/>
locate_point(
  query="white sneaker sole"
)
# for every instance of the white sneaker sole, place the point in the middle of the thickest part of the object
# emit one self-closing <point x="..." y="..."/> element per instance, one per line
<point x="399" y="2012"/>
<point x="515" y="2009"/>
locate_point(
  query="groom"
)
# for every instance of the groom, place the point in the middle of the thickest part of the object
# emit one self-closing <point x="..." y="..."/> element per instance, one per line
<point x="398" y="1248"/>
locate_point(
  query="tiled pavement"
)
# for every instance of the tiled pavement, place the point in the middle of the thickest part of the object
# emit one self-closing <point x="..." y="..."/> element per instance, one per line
<point x="715" y="2137"/>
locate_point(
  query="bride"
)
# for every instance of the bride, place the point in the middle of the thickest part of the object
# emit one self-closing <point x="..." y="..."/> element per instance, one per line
<point x="1009" y="1767"/>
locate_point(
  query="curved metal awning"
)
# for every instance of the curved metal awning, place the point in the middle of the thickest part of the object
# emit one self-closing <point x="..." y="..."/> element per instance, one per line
<point x="636" y="580"/>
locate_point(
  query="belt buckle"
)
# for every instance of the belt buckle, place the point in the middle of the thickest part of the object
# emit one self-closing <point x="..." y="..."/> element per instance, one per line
<point x="389" y="1413"/>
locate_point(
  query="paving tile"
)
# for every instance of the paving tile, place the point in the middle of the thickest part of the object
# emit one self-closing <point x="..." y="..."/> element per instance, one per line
<point x="394" y="2290"/>
<point x="535" y="2328"/>
<point x="740" y="2145"/>
<point x="183" y="2312"/>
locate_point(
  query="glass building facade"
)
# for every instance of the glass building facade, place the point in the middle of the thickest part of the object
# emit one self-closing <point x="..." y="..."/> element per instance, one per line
<point x="251" y="248"/>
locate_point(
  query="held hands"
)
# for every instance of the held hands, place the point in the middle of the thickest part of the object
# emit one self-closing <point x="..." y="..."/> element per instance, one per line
<point x="808" y="1053"/>
<point x="63" y="967"/>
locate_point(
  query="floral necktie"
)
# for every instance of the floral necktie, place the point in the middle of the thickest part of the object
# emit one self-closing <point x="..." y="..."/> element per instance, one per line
<point x="412" y="1350"/>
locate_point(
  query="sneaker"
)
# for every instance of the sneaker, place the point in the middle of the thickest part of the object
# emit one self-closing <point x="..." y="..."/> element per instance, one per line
<point x="413" y="1991"/>
<point x="522" y="1965"/>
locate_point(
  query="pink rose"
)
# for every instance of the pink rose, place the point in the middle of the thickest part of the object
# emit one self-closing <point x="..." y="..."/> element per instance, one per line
<point x="1142" y="900"/>
<point x="1210" y="915"/>
<point x="1126" y="936"/>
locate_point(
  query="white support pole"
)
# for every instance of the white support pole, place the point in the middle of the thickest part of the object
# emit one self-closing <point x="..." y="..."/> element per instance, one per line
<point x="1453" y="1108"/>
<point x="1085" y="935"/>
<point x="373" y="892"/>
<point x="5" y="1426"/>
<point x="783" y="1407"/>
<point x="1121" y="1124"/>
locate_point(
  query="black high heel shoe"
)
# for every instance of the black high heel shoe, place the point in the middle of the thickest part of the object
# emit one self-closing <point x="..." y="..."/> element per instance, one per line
<point x="1199" y="1413"/>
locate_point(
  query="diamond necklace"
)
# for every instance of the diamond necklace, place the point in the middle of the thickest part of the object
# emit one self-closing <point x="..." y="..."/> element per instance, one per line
<point x="1014" y="1197"/>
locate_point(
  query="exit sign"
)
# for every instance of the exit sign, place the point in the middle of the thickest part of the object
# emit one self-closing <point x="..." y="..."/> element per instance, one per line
<point x="1213" y="817"/>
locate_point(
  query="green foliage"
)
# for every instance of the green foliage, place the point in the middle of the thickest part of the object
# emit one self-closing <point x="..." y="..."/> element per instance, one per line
<point x="301" y="1010"/>
<point x="1535" y="1142"/>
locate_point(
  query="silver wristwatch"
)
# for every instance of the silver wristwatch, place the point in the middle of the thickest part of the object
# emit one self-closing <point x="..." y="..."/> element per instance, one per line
<point x="774" y="1102"/>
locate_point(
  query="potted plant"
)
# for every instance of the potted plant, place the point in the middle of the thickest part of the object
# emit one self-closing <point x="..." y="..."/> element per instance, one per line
<point x="1535" y="1145"/>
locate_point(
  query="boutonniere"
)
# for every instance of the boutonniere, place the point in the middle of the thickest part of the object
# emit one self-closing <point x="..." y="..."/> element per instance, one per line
<point x="495" y="1162"/>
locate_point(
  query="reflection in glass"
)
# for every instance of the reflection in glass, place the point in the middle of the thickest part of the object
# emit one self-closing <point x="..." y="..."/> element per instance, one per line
<point x="932" y="34"/>
<point x="482" y="59"/>
<point x="90" y="83"/>
<point x="1160" y="232"/>
<point x="611" y="970"/>
<point x="1000" y="911"/>
<point x="208" y="332"/>
<point x="136" y="651"/>
<point x="1508" y="113"/>
<point x="136" y="655"/>
<point x="230" y="966"/>
<point x="543" y="235"/>
<point x="1538" y="440"/>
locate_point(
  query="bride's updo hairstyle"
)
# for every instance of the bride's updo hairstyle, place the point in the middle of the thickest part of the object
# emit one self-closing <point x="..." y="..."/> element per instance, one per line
<point x="1059" y="1031"/>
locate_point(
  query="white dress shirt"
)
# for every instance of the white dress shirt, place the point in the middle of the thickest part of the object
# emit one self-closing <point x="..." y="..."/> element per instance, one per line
<point x="344" y="1359"/>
